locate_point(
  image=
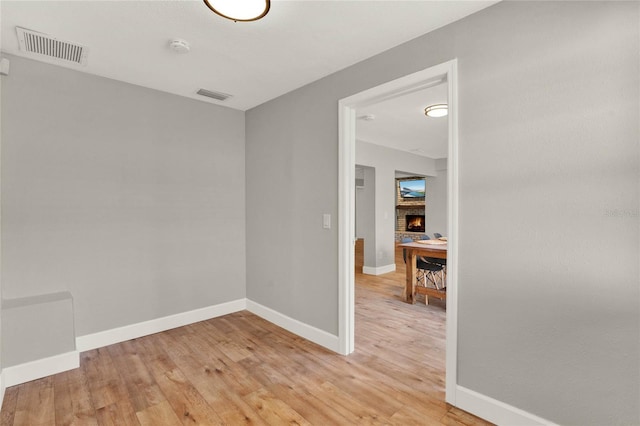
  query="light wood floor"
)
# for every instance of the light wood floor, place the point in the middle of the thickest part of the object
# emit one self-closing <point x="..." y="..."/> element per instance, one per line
<point x="240" y="369"/>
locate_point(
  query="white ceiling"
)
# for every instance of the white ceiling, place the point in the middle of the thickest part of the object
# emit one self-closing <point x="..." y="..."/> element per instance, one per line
<point x="296" y="43"/>
<point x="400" y="123"/>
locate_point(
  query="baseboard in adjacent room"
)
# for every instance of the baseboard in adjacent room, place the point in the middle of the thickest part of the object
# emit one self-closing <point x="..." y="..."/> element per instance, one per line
<point x="378" y="270"/>
<point x="133" y="331"/>
<point x="495" y="411"/>
<point x="306" y="331"/>
<point x="37" y="369"/>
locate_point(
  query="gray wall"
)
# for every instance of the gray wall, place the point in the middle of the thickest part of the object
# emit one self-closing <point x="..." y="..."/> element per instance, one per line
<point x="37" y="327"/>
<point x="549" y="311"/>
<point x="129" y="198"/>
<point x="436" y="200"/>
<point x="365" y="215"/>
<point x="371" y="154"/>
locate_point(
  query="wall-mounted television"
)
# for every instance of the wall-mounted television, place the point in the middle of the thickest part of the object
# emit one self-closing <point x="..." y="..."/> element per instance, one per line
<point x="411" y="188"/>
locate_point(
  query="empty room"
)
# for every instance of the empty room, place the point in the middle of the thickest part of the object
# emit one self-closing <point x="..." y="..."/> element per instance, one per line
<point x="181" y="188"/>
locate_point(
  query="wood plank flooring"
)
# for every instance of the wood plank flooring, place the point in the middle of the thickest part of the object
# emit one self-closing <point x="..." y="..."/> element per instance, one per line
<point x="240" y="369"/>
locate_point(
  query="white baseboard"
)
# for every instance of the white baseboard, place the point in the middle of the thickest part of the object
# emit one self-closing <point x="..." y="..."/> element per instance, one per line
<point x="133" y="331"/>
<point x="378" y="270"/>
<point x="311" y="333"/>
<point x="22" y="373"/>
<point x="495" y="411"/>
<point x="37" y="369"/>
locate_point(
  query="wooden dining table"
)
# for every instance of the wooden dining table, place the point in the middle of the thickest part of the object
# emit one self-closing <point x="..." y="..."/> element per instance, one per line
<point x="427" y="248"/>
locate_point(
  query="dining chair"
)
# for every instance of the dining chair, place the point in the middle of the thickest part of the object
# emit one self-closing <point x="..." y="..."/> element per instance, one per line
<point x="437" y="276"/>
<point x="426" y="272"/>
<point x="441" y="272"/>
<point x="433" y="274"/>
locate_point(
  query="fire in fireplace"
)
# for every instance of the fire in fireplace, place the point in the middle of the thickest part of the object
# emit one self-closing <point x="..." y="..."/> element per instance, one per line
<point x="415" y="223"/>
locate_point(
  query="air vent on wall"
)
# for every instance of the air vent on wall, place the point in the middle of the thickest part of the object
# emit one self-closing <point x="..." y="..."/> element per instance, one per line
<point x="215" y="95"/>
<point x="47" y="46"/>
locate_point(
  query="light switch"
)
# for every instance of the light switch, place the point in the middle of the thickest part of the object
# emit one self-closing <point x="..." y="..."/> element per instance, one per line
<point x="326" y="221"/>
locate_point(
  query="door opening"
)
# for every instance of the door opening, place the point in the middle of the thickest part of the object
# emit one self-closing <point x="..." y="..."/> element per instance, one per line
<point x="446" y="72"/>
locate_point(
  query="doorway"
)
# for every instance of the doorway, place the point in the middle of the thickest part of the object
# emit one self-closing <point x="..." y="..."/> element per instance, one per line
<point x="443" y="73"/>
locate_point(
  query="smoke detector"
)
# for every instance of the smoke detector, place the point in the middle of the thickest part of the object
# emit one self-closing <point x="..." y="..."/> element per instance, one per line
<point x="179" y="45"/>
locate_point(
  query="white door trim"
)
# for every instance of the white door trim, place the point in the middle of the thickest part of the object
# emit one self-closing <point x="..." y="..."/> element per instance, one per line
<point x="346" y="205"/>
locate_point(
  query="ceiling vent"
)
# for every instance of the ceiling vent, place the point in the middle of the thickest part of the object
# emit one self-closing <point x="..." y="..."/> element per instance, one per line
<point x="215" y="95"/>
<point x="44" y="45"/>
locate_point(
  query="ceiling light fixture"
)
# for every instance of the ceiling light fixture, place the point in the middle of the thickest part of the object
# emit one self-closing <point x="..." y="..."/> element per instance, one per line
<point x="239" y="10"/>
<point x="437" y="110"/>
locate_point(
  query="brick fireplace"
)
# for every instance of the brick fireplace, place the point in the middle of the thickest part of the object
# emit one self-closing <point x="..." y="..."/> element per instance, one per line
<point x="404" y="218"/>
<point x="414" y="222"/>
<point x="410" y="216"/>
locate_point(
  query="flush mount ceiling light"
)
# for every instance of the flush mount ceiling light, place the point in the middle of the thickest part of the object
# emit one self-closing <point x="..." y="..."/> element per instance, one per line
<point x="240" y="10"/>
<point x="437" y="110"/>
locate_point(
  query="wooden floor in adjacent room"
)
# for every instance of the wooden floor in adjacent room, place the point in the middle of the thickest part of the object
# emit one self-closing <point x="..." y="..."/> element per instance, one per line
<point x="241" y="369"/>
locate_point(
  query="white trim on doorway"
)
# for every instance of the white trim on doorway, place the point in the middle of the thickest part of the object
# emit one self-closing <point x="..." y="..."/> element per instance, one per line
<point x="446" y="72"/>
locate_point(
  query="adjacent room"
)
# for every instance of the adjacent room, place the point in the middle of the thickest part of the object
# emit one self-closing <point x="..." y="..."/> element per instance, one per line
<point x="200" y="222"/>
<point x="402" y="145"/>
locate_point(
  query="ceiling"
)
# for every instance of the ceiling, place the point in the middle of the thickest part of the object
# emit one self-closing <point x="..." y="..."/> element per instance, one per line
<point x="400" y="123"/>
<point x="296" y="43"/>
